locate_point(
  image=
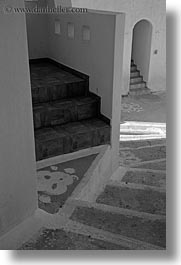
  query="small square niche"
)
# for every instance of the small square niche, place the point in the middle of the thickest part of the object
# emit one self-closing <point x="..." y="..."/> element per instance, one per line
<point x="57" y="27"/>
<point x="86" y="33"/>
<point x="70" y="30"/>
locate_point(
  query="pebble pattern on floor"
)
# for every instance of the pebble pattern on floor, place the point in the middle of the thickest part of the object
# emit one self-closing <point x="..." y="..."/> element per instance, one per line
<point x="57" y="182"/>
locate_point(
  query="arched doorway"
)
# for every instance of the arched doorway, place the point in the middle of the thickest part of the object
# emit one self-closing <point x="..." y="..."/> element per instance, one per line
<point x="141" y="50"/>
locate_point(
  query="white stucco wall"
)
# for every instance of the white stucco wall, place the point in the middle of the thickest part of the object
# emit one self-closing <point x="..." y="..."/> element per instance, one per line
<point x="94" y="58"/>
<point x="155" y="12"/>
<point x="135" y="10"/>
<point x="37" y="31"/>
<point x="18" y="198"/>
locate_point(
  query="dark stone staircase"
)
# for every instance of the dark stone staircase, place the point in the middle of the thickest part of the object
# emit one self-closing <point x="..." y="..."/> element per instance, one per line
<point x="137" y="85"/>
<point x="66" y="115"/>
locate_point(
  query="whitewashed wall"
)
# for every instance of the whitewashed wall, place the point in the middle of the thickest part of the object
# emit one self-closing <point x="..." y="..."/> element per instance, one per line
<point x="94" y="57"/>
<point x="18" y="198"/>
<point x="155" y="12"/>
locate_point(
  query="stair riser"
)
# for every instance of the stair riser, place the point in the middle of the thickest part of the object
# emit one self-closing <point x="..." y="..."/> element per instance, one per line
<point x="57" y="92"/>
<point x="135" y="74"/>
<point x="52" y="148"/>
<point x="133" y="68"/>
<point x="71" y="143"/>
<point x="138" y="86"/>
<point x="143" y="200"/>
<point x="133" y="227"/>
<point x="65" y="113"/>
<point x="136" y="80"/>
<point x="139" y="92"/>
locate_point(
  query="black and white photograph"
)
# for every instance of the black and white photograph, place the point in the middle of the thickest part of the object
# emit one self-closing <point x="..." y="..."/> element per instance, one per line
<point x="83" y="125"/>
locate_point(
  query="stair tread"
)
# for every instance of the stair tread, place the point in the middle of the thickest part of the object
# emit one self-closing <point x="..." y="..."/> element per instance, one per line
<point x="45" y="74"/>
<point x="71" y="126"/>
<point x="135" y="77"/>
<point x="65" y="111"/>
<point x="136" y="227"/>
<point x="76" y="100"/>
<point x="144" y="200"/>
<point x="135" y="73"/>
<point x="140" y="89"/>
<point x="50" y="83"/>
<point x="137" y="83"/>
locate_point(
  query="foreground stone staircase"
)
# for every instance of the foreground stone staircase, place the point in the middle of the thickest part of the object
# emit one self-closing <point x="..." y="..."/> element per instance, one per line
<point x="129" y="213"/>
<point x="66" y="114"/>
<point x="137" y="85"/>
<point x="131" y="210"/>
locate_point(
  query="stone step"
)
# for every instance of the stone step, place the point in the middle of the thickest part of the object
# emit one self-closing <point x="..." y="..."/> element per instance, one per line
<point x="141" y="143"/>
<point x="142" y="200"/>
<point x="134" y="227"/>
<point x="142" y="154"/>
<point x="138" y="85"/>
<point x="135" y="74"/>
<point x="136" y="80"/>
<point x="71" y="137"/>
<point x="64" y="239"/>
<point x="133" y="68"/>
<point x="65" y="111"/>
<point x="57" y="91"/>
<point x="139" y="91"/>
<point x="153" y="165"/>
<point x="50" y="82"/>
<point x="149" y="178"/>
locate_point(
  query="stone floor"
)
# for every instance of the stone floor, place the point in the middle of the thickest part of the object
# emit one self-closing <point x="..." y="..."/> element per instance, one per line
<point x="148" y="108"/>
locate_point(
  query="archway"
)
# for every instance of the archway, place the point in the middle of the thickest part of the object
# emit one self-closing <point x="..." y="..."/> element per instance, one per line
<point x="141" y="47"/>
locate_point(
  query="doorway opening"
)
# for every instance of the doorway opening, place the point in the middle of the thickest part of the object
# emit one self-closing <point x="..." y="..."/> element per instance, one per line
<point x="140" y="57"/>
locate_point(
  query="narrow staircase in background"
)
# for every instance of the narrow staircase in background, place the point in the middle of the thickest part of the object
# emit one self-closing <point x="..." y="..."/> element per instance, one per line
<point x="66" y="114"/>
<point x="137" y="85"/>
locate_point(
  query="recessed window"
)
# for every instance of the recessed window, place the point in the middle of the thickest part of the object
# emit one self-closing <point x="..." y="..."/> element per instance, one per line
<point x="70" y="30"/>
<point x="86" y="34"/>
<point x="57" y="27"/>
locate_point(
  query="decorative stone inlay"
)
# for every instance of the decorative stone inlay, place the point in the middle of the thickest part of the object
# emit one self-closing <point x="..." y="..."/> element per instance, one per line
<point x="69" y="170"/>
<point x="131" y="107"/>
<point x="55" y="183"/>
<point x="54" y="168"/>
<point x="58" y="181"/>
<point x="44" y="198"/>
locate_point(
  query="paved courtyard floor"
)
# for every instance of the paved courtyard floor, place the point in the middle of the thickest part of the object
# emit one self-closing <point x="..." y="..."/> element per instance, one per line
<point x="144" y="108"/>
